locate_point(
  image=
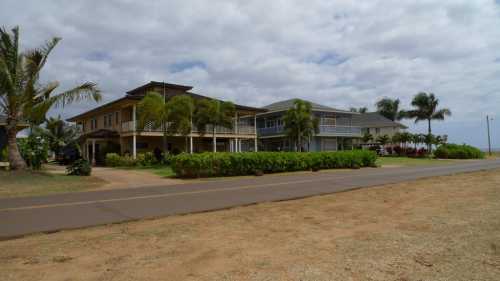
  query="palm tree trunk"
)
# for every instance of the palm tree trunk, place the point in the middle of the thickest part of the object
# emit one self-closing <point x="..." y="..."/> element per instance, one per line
<point x="16" y="161"/>
<point x="214" y="139"/>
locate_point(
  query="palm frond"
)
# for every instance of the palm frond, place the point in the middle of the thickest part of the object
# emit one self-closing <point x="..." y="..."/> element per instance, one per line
<point x="86" y="91"/>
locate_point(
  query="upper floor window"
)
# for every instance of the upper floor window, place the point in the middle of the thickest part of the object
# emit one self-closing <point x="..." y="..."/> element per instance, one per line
<point x="327" y="121"/>
<point x="117" y="117"/>
<point x="93" y="124"/>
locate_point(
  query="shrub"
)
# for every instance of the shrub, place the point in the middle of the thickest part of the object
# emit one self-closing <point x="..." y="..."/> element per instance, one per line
<point x="146" y="159"/>
<point x="115" y="160"/>
<point x="456" y="151"/>
<point x="79" y="168"/>
<point x="249" y="163"/>
<point x="34" y="150"/>
<point x="4" y="154"/>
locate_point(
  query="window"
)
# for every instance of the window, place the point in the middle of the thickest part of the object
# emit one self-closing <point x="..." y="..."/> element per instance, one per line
<point x="105" y="121"/>
<point x="328" y="121"/>
<point x="377" y="130"/>
<point x="93" y="124"/>
<point x="270" y="123"/>
<point x="117" y="118"/>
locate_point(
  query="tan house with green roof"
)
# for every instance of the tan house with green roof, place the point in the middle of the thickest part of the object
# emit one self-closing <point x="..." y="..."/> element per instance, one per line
<point x="115" y="125"/>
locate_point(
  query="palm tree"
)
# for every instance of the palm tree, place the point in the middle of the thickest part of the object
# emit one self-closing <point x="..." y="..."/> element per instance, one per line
<point x="22" y="96"/>
<point x="389" y="108"/>
<point x="396" y="138"/>
<point x="417" y="139"/>
<point x="214" y="113"/>
<point x="383" y="140"/>
<point x="153" y="110"/>
<point x="299" y="123"/>
<point x="426" y="110"/>
<point x="367" y="137"/>
<point x="58" y="134"/>
<point x="405" y="139"/>
<point x="181" y="115"/>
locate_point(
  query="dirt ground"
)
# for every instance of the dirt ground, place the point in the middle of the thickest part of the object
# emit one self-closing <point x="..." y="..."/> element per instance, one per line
<point x="120" y="178"/>
<point x="443" y="228"/>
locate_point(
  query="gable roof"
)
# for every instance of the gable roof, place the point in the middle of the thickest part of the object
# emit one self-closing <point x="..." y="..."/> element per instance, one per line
<point x="140" y="89"/>
<point x="374" y="120"/>
<point x="287" y="104"/>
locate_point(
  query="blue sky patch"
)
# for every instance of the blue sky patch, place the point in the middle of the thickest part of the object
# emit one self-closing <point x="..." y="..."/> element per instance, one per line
<point x="183" y="65"/>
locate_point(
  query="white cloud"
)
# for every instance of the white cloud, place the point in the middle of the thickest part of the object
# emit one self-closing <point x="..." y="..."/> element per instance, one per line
<point x="341" y="53"/>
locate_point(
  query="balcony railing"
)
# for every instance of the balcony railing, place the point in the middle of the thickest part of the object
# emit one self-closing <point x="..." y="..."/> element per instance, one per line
<point x="130" y="126"/>
<point x="323" y="130"/>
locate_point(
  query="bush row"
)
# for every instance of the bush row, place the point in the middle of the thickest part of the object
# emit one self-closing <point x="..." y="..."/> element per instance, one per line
<point x="456" y="151"/>
<point x="247" y="163"/>
<point x="142" y="159"/>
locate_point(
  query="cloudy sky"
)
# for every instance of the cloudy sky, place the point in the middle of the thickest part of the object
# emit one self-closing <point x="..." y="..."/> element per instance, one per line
<point x="337" y="52"/>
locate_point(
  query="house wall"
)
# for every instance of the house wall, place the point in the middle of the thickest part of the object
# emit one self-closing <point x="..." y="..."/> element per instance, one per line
<point x="390" y="131"/>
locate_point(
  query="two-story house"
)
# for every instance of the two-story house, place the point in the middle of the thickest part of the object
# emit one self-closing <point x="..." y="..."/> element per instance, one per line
<point x="336" y="129"/>
<point x="114" y="125"/>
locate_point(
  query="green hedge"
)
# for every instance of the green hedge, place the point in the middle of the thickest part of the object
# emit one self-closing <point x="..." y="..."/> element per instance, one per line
<point x="456" y="151"/>
<point x="247" y="163"/>
<point x="142" y="159"/>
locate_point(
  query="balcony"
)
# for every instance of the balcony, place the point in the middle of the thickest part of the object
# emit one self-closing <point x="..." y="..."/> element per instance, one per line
<point x="243" y="129"/>
<point x="324" y="130"/>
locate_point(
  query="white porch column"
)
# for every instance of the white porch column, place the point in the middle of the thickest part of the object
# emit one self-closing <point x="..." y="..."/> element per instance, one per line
<point x="236" y="141"/>
<point x="134" y="146"/>
<point x="93" y="152"/>
<point x="239" y="145"/>
<point x="191" y="143"/>
<point x="255" y="131"/>
<point x="134" y="137"/>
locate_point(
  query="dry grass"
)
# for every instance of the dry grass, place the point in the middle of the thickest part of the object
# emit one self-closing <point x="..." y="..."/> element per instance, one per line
<point x="443" y="228"/>
<point x="33" y="183"/>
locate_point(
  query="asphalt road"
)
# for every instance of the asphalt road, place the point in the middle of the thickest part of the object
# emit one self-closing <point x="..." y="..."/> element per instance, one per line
<point x="22" y="216"/>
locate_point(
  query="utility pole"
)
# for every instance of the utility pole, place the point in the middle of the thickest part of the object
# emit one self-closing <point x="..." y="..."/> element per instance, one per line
<point x="489" y="138"/>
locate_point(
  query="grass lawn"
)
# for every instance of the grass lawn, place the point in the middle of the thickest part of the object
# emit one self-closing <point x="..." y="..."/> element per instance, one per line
<point x="406" y="161"/>
<point x="159" y="170"/>
<point x="442" y="228"/>
<point x="30" y="183"/>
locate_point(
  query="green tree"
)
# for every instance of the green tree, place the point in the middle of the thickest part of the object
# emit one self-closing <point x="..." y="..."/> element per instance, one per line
<point x="58" y="134"/>
<point x="405" y="139"/>
<point x="299" y="123"/>
<point x="417" y="139"/>
<point x="396" y="138"/>
<point x="181" y="115"/>
<point x="359" y="110"/>
<point x="426" y="110"/>
<point x="212" y="113"/>
<point x="389" y="108"/>
<point x="383" y="140"/>
<point x="22" y="96"/>
<point x="153" y="111"/>
<point x="367" y="137"/>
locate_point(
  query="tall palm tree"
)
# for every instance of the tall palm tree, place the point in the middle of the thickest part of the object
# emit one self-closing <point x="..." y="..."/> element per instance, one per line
<point x="299" y="123"/>
<point x="22" y="96"/>
<point x="426" y="110"/>
<point x="389" y="108"/>
<point x="214" y="113"/>
<point x="181" y="115"/>
<point x="153" y="110"/>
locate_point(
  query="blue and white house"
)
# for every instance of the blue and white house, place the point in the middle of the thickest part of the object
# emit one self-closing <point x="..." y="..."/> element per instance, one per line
<point x="336" y="128"/>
